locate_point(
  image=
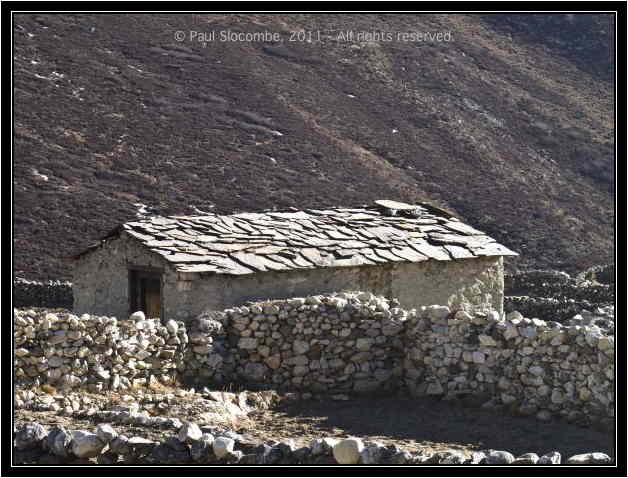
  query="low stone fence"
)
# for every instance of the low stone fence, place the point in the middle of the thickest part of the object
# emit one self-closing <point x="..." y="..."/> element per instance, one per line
<point x="604" y="274"/>
<point x="553" y="295"/>
<point x="533" y="366"/>
<point x="99" y="353"/>
<point x="68" y="351"/>
<point x="348" y="342"/>
<point x="557" y="285"/>
<point x="546" y="308"/>
<point x="194" y="445"/>
<point x="52" y="294"/>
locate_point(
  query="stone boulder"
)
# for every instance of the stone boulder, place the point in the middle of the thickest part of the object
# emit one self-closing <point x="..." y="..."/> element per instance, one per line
<point x="30" y="436"/>
<point x="86" y="444"/>
<point x="347" y="452"/>
<point x="223" y="446"/>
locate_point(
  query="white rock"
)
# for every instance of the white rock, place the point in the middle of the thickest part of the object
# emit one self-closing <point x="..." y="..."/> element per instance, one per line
<point x="313" y="300"/>
<point x="539" y="323"/>
<point x="296" y="301"/>
<point x="382" y="305"/>
<point x="526" y="459"/>
<point x="589" y="458"/>
<point x="514" y="315"/>
<point x="477" y="457"/>
<point x="347" y="452"/>
<point x="172" y="327"/>
<point x="105" y="432"/>
<point x="494" y="316"/>
<point x="499" y="457"/>
<point x="222" y="446"/>
<point x="139" y="315"/>
<point x="189" y="433"/>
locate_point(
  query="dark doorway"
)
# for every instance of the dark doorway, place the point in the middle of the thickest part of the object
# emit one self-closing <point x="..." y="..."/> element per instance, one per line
<point x="145" y="292"/>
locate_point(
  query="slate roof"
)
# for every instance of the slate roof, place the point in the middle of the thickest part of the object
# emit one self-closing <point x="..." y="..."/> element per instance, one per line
<point x="246" y="243"/>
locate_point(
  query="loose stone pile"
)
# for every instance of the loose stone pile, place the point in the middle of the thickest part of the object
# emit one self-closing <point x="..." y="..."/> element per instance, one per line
<point x="53" y="294"/>
<point x="534" y="367"/>
<point x="339" y="343"/>
<point x="146" y="408"/>
<point x="205" y="445"/>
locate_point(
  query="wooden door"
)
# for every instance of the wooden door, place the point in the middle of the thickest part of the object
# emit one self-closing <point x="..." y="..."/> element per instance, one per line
<point x="152" y="297"/>
<point x="145" y="292"/>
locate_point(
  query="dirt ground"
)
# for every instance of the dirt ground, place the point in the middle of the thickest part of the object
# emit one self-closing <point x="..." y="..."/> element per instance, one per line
<point x="426" y="425"/>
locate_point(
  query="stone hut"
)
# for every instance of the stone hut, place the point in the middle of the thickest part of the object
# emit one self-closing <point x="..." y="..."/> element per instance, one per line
<point x="180" y="266"/>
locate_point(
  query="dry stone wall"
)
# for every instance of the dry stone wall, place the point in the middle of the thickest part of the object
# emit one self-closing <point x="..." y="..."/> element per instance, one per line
<point x="53" y="294"/>
<point x="533" y="366"/>
<point x="347" y="342"/>
<point x="554" y="295"/>
<point x="100" y="353"/>
<point x="546" y="308"/>
<point x="95" y="352"/>
<point x="340" y="343"/>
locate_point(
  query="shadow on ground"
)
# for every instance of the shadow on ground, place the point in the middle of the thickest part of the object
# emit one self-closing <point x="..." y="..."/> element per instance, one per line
<point x="418" y="423"/>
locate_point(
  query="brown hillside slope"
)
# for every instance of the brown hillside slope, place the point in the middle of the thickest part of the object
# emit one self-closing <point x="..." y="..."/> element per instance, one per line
<point x="111" y="110"/>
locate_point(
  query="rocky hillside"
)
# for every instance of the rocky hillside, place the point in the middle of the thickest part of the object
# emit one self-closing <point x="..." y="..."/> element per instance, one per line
<point x="510" y="129"/>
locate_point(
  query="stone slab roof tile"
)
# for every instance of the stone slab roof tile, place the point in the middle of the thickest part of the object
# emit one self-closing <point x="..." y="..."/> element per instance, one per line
<point x="246" y="243"/>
